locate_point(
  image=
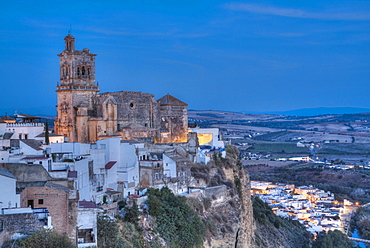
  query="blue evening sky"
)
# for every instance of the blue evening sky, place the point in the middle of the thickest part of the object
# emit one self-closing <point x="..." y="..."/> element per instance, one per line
<point x="220" y="55"/>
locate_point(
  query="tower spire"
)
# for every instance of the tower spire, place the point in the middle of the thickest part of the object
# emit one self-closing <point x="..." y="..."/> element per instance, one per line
<point x="70" y="42"/>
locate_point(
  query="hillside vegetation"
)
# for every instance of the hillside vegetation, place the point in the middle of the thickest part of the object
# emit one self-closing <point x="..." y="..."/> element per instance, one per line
<point x="274" y="231"/>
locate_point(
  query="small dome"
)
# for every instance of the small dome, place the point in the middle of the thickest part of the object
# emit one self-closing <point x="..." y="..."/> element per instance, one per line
<point x="69" y="36"/>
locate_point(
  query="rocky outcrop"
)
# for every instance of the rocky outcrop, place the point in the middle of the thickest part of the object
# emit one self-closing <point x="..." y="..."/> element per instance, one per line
<point x="225" y="205"/>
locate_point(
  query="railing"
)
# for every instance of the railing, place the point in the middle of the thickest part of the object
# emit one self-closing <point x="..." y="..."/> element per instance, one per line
<point x="40" y="213"/>
<point x="77" y="87"/>
<point x="25" y="124"/>
<point x="359" y="240"/>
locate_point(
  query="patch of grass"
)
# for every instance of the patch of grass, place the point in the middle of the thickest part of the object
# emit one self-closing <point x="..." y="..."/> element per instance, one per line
<point x="277" y="148"/>
<point x="273" y="135"/>
<point x="344" y="148"/>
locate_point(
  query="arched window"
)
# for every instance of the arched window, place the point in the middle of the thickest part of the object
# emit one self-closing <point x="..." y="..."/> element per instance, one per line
<point x="83" y="70"/>
<point x="78" y="71"/>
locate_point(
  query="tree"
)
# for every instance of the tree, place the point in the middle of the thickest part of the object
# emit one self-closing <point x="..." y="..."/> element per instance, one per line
<point x="177" y="223"/>
<point x="118" y="234"/>
<point x="132" y="214"/>
<point x="108" y="233"/>
<point x="332" y="239"/>
<point x="47" y="141"/>
<point x="45" y="238"/>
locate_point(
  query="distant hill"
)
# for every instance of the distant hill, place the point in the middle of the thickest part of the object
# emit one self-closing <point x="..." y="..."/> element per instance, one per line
<point x="35" y="111"/>
<point x="320" y="111"/>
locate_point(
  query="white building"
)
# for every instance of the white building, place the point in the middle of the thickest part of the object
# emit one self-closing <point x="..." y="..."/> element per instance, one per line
<point x="8" y="196"/>
<point x="87" y="224"/>
<point x="108" y="165"/>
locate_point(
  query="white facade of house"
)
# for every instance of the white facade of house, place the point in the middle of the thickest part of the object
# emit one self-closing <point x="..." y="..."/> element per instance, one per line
<point x="208" y="136"/>
<point x="209" y="140"/>
<point x="128" y="169"/>
<point x="25" y="130"/>
<point x="8" y="196"/>
<point x="87" y="221"/>
<point x="169" y="167"/>
<point x="106" y="165"/>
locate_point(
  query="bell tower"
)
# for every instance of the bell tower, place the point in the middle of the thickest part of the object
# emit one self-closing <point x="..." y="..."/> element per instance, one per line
<point x="76" y="91"/>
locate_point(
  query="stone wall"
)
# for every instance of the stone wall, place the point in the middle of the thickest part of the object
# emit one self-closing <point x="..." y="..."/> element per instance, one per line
<point x="17" y="223"/>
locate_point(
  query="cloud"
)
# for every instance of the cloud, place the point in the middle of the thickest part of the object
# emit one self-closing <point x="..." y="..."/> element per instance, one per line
<point x="296" y="13"/>
<point x="193" y="35"/>
<point x="125" y="33"/>
<point x="283" y="34"/>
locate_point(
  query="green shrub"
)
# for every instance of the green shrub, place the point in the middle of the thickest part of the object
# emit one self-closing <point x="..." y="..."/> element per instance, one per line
<point x="45" y="238"/>
<point x="178" y="224"/>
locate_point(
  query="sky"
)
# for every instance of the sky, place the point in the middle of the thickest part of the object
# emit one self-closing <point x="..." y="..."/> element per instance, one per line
<point x="214" y="55"/>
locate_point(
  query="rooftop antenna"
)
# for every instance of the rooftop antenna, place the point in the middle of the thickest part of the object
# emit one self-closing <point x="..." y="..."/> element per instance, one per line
<point x="70" y="28"/>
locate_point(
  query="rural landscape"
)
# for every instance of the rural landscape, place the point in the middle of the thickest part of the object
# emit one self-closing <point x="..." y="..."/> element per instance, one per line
<point x="330" y="152"/>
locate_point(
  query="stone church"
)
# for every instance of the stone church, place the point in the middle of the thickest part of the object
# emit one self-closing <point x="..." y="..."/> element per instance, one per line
<point x="84" y="115"/>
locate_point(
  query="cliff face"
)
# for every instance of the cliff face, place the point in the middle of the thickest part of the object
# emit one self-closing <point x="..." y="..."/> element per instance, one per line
<point x="245" y="232"/>
<point x="226" y="205"/>
<point x="276" y="232"/>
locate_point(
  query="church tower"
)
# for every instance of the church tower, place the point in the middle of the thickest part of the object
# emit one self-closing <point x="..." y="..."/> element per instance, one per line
<point x="76" y="91"/>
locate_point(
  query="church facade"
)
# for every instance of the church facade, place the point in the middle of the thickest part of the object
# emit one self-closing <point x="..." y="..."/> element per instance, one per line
<point x="84" y="115"/>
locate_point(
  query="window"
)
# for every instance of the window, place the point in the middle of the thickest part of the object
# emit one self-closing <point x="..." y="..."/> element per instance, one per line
<point x="85" y="236"/>
<point x="132" y="105"/>
<point x="30" y="203"/>
<point x="156" y="176"/>
<point x="41" y="201"/>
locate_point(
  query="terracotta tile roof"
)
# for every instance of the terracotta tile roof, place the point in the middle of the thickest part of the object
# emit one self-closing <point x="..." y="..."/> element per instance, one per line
<point x="7" y="135"/>
<point x="110" y="164"/>
<point x="86" y="204"/>
<point x="170" y="100"/>
<point x="26" y="116"/>
<point x="35" y="144"/>
<point x="4" y="172"/>
<point x="6" y="118"/>
<point x="57" y="186"/>
<point x="33" y="158"/>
